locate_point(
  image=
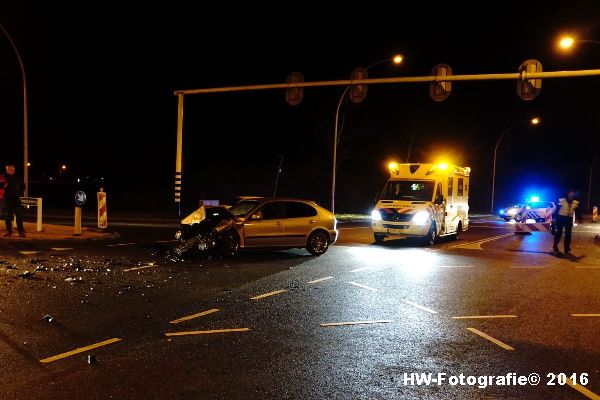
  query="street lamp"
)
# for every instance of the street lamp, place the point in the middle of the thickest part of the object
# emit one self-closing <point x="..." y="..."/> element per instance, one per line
<point x="25" y="127"/>
<point x="567" y="42"/>
<point x="61" y="169"/>
<point x="589" y="197"/>
<point x="397" y="59"/>
<point x="533" y="121"/>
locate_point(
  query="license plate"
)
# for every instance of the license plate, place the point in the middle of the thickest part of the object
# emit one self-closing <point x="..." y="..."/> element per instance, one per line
<point x="399" y="230"/>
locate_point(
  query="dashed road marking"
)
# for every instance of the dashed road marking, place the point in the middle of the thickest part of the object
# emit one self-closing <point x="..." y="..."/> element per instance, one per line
<point x="207" y="332"/>
<point x="484" y="316"/>
<point x="61" y="248"/>
<point x="25" y="252"/>
<point x="585" y="315"/>
<point x="137" y="268"/>
<point x="382" y="321"/>
<point x="583" y="390"/>
<point x="491" y="339"/>
<point x="262" y="296"/>
<point x="119" y="244"/>
<point x="360" y="269"/>
<point x="79" y="350"/>
<point x="167" y="241"/>
<point x="321" y="279"/>
<point x="429" y="310"/>
<point x="200" y="314"/>
<point x="363" y="286"/>
<point x="476" y="245"/>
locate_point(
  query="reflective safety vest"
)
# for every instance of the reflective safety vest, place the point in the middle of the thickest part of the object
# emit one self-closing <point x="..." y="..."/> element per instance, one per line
<point x="565" y="208"/>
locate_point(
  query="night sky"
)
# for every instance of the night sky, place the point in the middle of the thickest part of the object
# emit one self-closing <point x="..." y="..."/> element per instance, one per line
<point x="101" y="82"/>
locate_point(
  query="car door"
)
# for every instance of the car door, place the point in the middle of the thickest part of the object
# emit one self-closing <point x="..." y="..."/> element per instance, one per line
<point x="264" y="227"/>
<point x="300" y="220"/>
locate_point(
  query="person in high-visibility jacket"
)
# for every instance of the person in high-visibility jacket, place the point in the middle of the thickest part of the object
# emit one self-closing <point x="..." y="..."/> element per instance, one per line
<point x="563" y="215"/>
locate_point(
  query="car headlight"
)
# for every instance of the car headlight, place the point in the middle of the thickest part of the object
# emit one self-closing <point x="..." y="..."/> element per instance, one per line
<point x="178" y="235"/>
<point x="421" y="218"/>
<point x="376" y="215"/>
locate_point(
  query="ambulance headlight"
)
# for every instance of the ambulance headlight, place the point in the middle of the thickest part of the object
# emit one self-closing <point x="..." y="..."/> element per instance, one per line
<point x="375" y="215"/>
<point x="421" y="218"/>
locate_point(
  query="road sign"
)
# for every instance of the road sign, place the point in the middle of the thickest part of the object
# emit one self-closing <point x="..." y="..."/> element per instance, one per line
<point x="440" y="90"/>
<point x="358" y="92"/>
<point x="294" y="95"/>
<point x="80" y="198"/>
<point x="528" y="89"/>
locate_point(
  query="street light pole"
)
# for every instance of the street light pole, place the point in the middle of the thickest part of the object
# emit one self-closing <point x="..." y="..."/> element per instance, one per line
<point x="533" y="121"/>
<point x="25" y="119"/>
<point x="397" y="60"/>
<point x="589" y="197"/>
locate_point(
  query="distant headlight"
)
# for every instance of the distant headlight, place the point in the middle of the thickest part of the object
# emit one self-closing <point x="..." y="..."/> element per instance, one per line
<point x="511" y="211"/>
<point x="421" y="218"/>
<point x="178" y="235"/>
<point x="376" y="215"/>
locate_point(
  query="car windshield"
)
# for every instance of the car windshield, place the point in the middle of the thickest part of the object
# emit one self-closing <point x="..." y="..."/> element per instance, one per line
<point x="408" y="190"/>
<point x="217" y="213"/>
<point x="243" y="207"/>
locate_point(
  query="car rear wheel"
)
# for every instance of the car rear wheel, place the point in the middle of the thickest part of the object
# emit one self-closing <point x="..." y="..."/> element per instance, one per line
<point x="458" y="231"/>
<point x="318" y="243"/>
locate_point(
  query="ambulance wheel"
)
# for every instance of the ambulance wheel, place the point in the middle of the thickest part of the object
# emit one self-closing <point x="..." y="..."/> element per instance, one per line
<point x="431" y="236"/>
<point x="379" y="238"/>
<point x="458" y="231"/>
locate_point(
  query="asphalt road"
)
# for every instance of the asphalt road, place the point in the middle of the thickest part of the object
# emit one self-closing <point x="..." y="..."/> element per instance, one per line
<point x="492" y="303"/>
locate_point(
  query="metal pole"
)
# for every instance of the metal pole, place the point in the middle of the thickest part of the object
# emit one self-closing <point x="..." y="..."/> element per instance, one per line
<point x="408" y="79"/>
<point x="277" y="176"/>
<point x="178" y="160"/>
<point x="589" y="197"/>
<point x="494" y="167"/>
<point x="335" y="143"/>
<point x="25" y="113"/>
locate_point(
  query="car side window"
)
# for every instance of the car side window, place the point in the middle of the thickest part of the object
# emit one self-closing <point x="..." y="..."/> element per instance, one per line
<point x="273" y="210"/>
<point x="295" y="209"/>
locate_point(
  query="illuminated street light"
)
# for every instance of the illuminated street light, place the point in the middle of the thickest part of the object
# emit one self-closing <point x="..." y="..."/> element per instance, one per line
<point x="534" y="121"/>
<point x="566" y="42"/>
<point x="63" y="167"/>
<point x="397" y="59"/>
<point x="28" y="164"/>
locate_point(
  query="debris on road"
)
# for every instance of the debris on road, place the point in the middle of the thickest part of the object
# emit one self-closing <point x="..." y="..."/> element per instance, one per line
<point x="25" y="275"/>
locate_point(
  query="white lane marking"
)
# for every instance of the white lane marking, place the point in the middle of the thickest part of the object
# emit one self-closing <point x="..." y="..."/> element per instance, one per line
<point x="363" y="286"/>
<point x="193" y="316"/>
<point x="29" y="252"/>
<point x="382" y="321"/>
<point x="120" y="244"/>
<point x="429" y="310"/>
<point x="262" y="296"/>
<point x="586" y="392"/>
<point x="529" y="266"/>
<point x="484" y="316"/>
<point x="491" y="339"/>
<point x="321" y="279"/>
<point x="167" y="241"/>
<point x="137" y="268"/>
<point x="61" y="248"/>
<point x="476" y="245"/>
<point x="585" y="315"/>
<point x="360" y="269"/>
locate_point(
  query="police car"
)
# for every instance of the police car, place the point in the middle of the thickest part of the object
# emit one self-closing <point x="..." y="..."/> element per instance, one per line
<point x="534" y="209"/>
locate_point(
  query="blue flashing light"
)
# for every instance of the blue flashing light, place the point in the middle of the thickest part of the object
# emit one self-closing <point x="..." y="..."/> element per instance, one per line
<point x="535" y="199"/>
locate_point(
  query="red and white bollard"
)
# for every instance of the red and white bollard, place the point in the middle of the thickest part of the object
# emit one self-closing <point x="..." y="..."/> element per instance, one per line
<point x="102" y="214"/>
